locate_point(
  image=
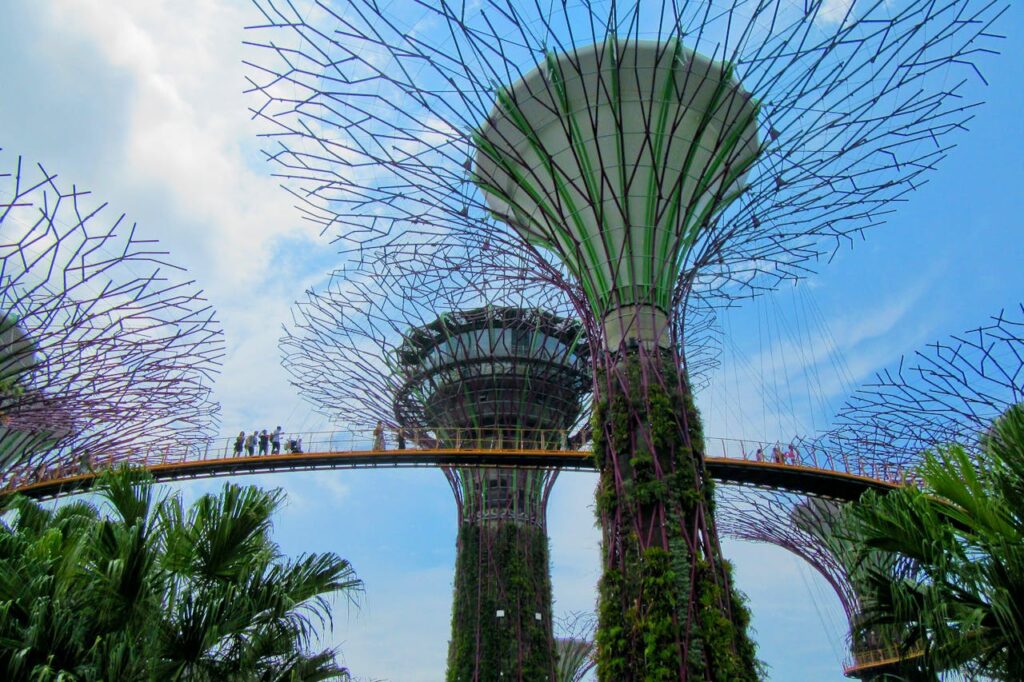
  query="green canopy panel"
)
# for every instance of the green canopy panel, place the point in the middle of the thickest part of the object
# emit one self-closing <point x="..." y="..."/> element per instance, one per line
<point x="615" y="156"/>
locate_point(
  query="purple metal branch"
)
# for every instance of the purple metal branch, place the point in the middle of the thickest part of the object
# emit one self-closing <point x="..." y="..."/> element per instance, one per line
<point x="948" y="392"/>
<point x="105" y="347"/>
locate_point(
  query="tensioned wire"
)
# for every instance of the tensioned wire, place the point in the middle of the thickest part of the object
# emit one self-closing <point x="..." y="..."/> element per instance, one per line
<point x="824" y="602"/>
<point x="769" y="345"/>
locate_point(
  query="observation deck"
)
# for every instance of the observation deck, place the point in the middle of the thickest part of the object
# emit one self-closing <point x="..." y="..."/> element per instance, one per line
<point x="729" y="460"/>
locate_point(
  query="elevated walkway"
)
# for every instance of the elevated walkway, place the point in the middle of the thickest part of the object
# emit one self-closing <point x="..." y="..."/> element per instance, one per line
<point x="871" y="664"/>
<point x="733" y="461"/>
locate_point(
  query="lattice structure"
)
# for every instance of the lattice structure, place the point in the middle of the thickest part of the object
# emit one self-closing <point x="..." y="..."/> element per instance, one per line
<point x="793" y="522"/>
<point x="372" y="349"/>
<point x="105" y="348"/>
<point x="498" y="372"/>
<point x="575" y="643"/>
<point x="638" y="155"/>
<point x="948" y="392"/>
<point x="495" y="375"/>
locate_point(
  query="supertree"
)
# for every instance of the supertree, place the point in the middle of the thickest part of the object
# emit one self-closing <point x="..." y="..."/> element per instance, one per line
<point x="950" y="391"/>
<point x="454" y="362"/>
<point x="493" y="377"/>
<point x="809" y="528"/>
<point x="640" y="154"/>
<point x="107" y="352"/>
<point x="457" y="365"/>
<point x="575" y="645"/>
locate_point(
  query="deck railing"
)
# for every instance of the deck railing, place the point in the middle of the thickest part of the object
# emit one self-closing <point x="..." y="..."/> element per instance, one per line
<point x="874" y="658"/>
<point x="391" y="440"/>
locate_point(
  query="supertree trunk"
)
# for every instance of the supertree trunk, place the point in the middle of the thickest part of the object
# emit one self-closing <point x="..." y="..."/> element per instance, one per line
<point x="501" y="613"/>
<point x="666" y="606"/>
<point x="501" y="616"/>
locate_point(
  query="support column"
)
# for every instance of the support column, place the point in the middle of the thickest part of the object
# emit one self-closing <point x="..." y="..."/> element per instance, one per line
<point x="667" y="610"/>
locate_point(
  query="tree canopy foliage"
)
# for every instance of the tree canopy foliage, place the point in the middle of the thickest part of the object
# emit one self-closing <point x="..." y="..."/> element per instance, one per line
<point x="145" y="588"/>
<point x="951" y="582"/>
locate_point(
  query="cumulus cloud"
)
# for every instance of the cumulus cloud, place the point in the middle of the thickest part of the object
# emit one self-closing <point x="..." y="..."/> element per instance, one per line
<point x="187" y="129"/>
<point x="165" y="135"/>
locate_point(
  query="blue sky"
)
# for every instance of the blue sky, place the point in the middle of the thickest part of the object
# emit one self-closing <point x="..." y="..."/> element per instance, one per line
<point x="143" y="104"/>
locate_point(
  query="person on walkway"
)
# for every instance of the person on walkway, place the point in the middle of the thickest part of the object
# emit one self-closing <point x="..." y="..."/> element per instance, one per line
<point x="378" y="436"/>
<point x="298" y="445"/>
<point x="759" y="455"/>
<point x="250" y="443"/>
<point x="401" y="439"/>
<point x="777" y="455"/>
<point x="793" y="455"/>
<point x="275" y="441"/>
<point x="264" y="442"/>
<point x="239" y="443"/>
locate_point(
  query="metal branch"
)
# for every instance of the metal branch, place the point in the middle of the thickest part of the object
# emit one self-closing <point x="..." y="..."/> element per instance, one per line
<point x="106" y="348"/>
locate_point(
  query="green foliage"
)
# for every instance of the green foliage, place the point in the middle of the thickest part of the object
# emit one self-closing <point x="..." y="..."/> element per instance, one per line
<point x="149" y="590"/>
<point x="652" y="432"/>
<point x="501" y="566"/>
<point x="943" y="567"/>
<point x="574" y="659"/>
<point x="655" y="623"/>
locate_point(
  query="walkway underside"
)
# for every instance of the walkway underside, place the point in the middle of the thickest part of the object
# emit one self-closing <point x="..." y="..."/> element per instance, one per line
<point x="809" y="480"/>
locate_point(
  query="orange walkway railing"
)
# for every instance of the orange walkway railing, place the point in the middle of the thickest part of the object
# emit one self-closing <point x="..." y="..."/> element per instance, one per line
<point x="338" y="444"/>
<point x="869" y="661"/>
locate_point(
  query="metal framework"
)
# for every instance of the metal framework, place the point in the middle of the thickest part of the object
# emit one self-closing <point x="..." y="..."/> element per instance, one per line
<point x="498" y="374"/>
<point x="640" y="157"/>
<point x="575" y="644"/>
<point x="104" y="346"/>
<point x="502" y="373"/>
<point x="948" y="392"/>
<point x="793" y="521"/>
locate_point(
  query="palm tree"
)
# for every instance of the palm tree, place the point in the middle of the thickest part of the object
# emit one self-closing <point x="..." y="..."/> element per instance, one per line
<point x="943" y="567"/>
<point x="575" y="646"/>
<point x="151" y="589"/>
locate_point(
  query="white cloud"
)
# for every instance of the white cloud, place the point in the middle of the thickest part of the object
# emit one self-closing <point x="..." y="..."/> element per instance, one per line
<point x="834" y="11"/>
<point x="188" y="132"/>
<point x="185" y="164"/>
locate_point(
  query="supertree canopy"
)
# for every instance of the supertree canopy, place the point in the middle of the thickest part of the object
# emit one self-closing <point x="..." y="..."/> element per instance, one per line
<point x="494" y="371"/>
<point x="638" y="154"/>
<point x="106" y="352"/>
<point x="575" y="647"/>
<point x="612" y="156"/>
<point x="950" y="391"/>
<point x="807" y="527"/>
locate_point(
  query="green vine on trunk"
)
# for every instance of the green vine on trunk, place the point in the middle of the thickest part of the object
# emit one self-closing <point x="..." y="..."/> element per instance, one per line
<point x="645" y="593"/>
<point x="501" y="567"/>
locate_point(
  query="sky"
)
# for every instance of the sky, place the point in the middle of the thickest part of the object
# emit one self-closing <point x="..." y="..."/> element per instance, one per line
<point x="143" y="103"/>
